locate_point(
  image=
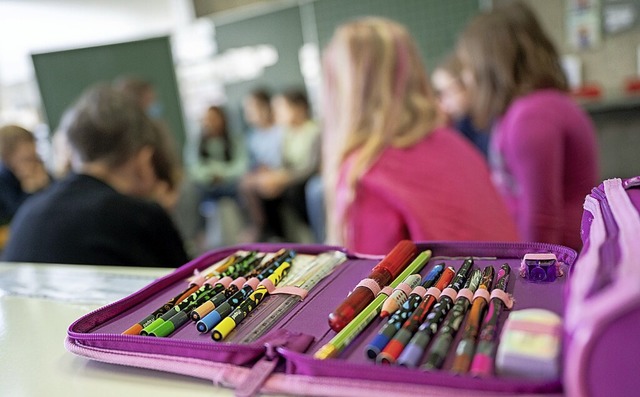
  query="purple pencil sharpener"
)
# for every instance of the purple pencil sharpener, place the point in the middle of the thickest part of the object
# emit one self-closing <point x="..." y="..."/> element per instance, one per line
<point x="540" y="268"/>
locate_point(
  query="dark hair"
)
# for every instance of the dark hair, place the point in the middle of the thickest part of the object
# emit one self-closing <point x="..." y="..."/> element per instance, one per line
<point x="202" y="147"/>
<point x="509" y="55"/>
<point x="297" y="97"/>
<point x="262" y="95"/>
<point x="106" y="125"/>
<point x="165" y="161"/>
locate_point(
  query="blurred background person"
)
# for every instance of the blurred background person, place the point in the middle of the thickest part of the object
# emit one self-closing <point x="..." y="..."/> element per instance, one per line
<point x="455" y="101"/>
<point x="271" y="189"/>
<point x="393" y="171"/>
<point x="221" y="161"/>
<point x="22" y="172"/>
<point x="543" y="151"/>
<point x="222" y="158"/>
<point x="97" y="214"/>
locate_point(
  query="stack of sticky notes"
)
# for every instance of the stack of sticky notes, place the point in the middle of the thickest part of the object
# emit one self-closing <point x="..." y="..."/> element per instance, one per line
<point x="530" y="345"/>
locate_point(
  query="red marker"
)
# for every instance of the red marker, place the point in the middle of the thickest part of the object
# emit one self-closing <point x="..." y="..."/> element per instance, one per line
<point x="381" y="275"/>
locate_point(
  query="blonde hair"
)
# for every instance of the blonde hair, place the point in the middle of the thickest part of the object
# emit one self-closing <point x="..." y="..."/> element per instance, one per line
<point x="509" y="55"/>
<point x="10" y="137"/>
<point x="376" y="95"/>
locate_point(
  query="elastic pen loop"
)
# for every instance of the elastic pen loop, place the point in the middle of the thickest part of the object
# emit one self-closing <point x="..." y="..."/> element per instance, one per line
<point x="450" y="292"/>
<point x="465" y="293"/>
<point x="371" y="285"/>
<point x="482" y="293"/>
<point x="386" y="291"/>
<point x="435" y="292"/>
<point x="506" y="298"/>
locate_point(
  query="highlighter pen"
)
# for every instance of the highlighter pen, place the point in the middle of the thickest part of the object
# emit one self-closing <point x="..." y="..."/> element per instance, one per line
<point x="441" y="343"/>
<point x="413" y="351"/>
<point x="467" y="345"/>
<point x="342" y="339"/>
<point x="483" y="361"/>
<point x="189" y="303"/>
<point x="167" y="327"/>
<point x="209" y="321"/>
<point x="229" y="323"/>
<point x="224" y="308"/>
<point x="399" y="295"/>
<point x="382" y="274"/>
<point x="193" y="286"/>
<point x="282" y="255"/>
<point x="392" y="350"/>
<point x="136" y="328"/>
<point x="400" y="316"/>
<point x="317" y="270"/>
<point x="262" y="271"/>
<point x="217" y="300"/>
<point x="233" y="271"/>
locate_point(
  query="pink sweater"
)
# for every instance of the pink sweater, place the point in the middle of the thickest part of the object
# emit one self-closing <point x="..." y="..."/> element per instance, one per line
<point x="439" y="189"/>
<point x="544" y="161"/>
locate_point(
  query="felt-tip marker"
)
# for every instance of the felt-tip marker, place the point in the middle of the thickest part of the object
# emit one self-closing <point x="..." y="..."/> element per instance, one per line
<point x="381" y="275"/>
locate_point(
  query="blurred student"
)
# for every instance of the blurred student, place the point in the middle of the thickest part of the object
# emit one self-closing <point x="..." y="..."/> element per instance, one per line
<point x="273" y="188"/>
<point x="96" y="214"/>
<point x="543" y="151"/>
<point x="220" y="163"/>
<point x="393" y="170"/>
<point x="264" y="138"/>
<point x="165" y="159"/>
<point x="22" y="172"/>
<point x="221" y="159"/>
<point x="455" y="102"/>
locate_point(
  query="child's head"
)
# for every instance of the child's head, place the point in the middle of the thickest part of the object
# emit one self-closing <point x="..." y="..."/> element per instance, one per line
<point x="291" y="108"/>
<point x="214" y="122"/>
<point x="376" y="91"/>
<point x="447" y="83"/>
<point x="111" y="136"/>
<point x="505" y="54"/>
<point x="257" y="108"/>
<point x="18" y="149"/>
<point x="107" y="127"/>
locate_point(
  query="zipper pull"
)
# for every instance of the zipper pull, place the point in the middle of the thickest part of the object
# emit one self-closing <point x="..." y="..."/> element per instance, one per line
<point x="261" y="371"/>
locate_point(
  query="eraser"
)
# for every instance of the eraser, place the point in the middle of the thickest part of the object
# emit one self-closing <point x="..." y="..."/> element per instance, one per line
<point x="530" y="345"/>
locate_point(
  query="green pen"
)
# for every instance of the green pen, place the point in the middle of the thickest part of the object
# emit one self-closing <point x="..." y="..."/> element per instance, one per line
<point x="364" y="318"/>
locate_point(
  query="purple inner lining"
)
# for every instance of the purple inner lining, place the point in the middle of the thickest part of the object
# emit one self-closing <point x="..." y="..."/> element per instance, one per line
<point x="310" y="317"/>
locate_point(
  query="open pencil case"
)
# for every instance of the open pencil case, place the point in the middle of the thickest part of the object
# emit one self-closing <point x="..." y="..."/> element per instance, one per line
<point x="282" y="360"/>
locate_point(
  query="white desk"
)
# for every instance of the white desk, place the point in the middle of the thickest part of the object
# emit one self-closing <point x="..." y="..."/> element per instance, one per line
<point x="34" y="317"/>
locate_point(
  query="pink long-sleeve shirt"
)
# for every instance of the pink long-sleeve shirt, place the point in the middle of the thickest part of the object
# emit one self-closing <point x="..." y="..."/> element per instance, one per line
<point x="544" y="161"/>
<point x="439" y="189"/>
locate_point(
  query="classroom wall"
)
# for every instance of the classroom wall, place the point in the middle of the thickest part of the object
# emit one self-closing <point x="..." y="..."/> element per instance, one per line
<point x="608" y="64"/>
<point x="616" y="116"/>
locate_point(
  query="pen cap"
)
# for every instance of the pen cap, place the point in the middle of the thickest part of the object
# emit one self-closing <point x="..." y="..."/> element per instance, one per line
<point x="397" y="258"/>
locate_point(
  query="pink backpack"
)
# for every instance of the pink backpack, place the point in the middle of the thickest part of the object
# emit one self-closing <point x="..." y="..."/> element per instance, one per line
<point x="602" y="318"/>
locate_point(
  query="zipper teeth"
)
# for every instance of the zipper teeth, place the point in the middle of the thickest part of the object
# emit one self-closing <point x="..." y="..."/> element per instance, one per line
<point x="168" y="342"/>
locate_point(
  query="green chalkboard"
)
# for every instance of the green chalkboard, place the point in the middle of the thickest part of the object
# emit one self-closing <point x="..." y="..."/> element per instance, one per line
<point x="63" y="75"/>
<point x="283" y="30"/>
<point x="435" y="24"/>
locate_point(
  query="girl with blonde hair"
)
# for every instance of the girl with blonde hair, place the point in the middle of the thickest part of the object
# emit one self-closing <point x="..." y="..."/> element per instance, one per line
<point x="393" y="170"/>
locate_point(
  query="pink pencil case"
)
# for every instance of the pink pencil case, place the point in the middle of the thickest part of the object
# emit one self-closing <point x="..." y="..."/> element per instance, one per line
<point x="282" y="360"/>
